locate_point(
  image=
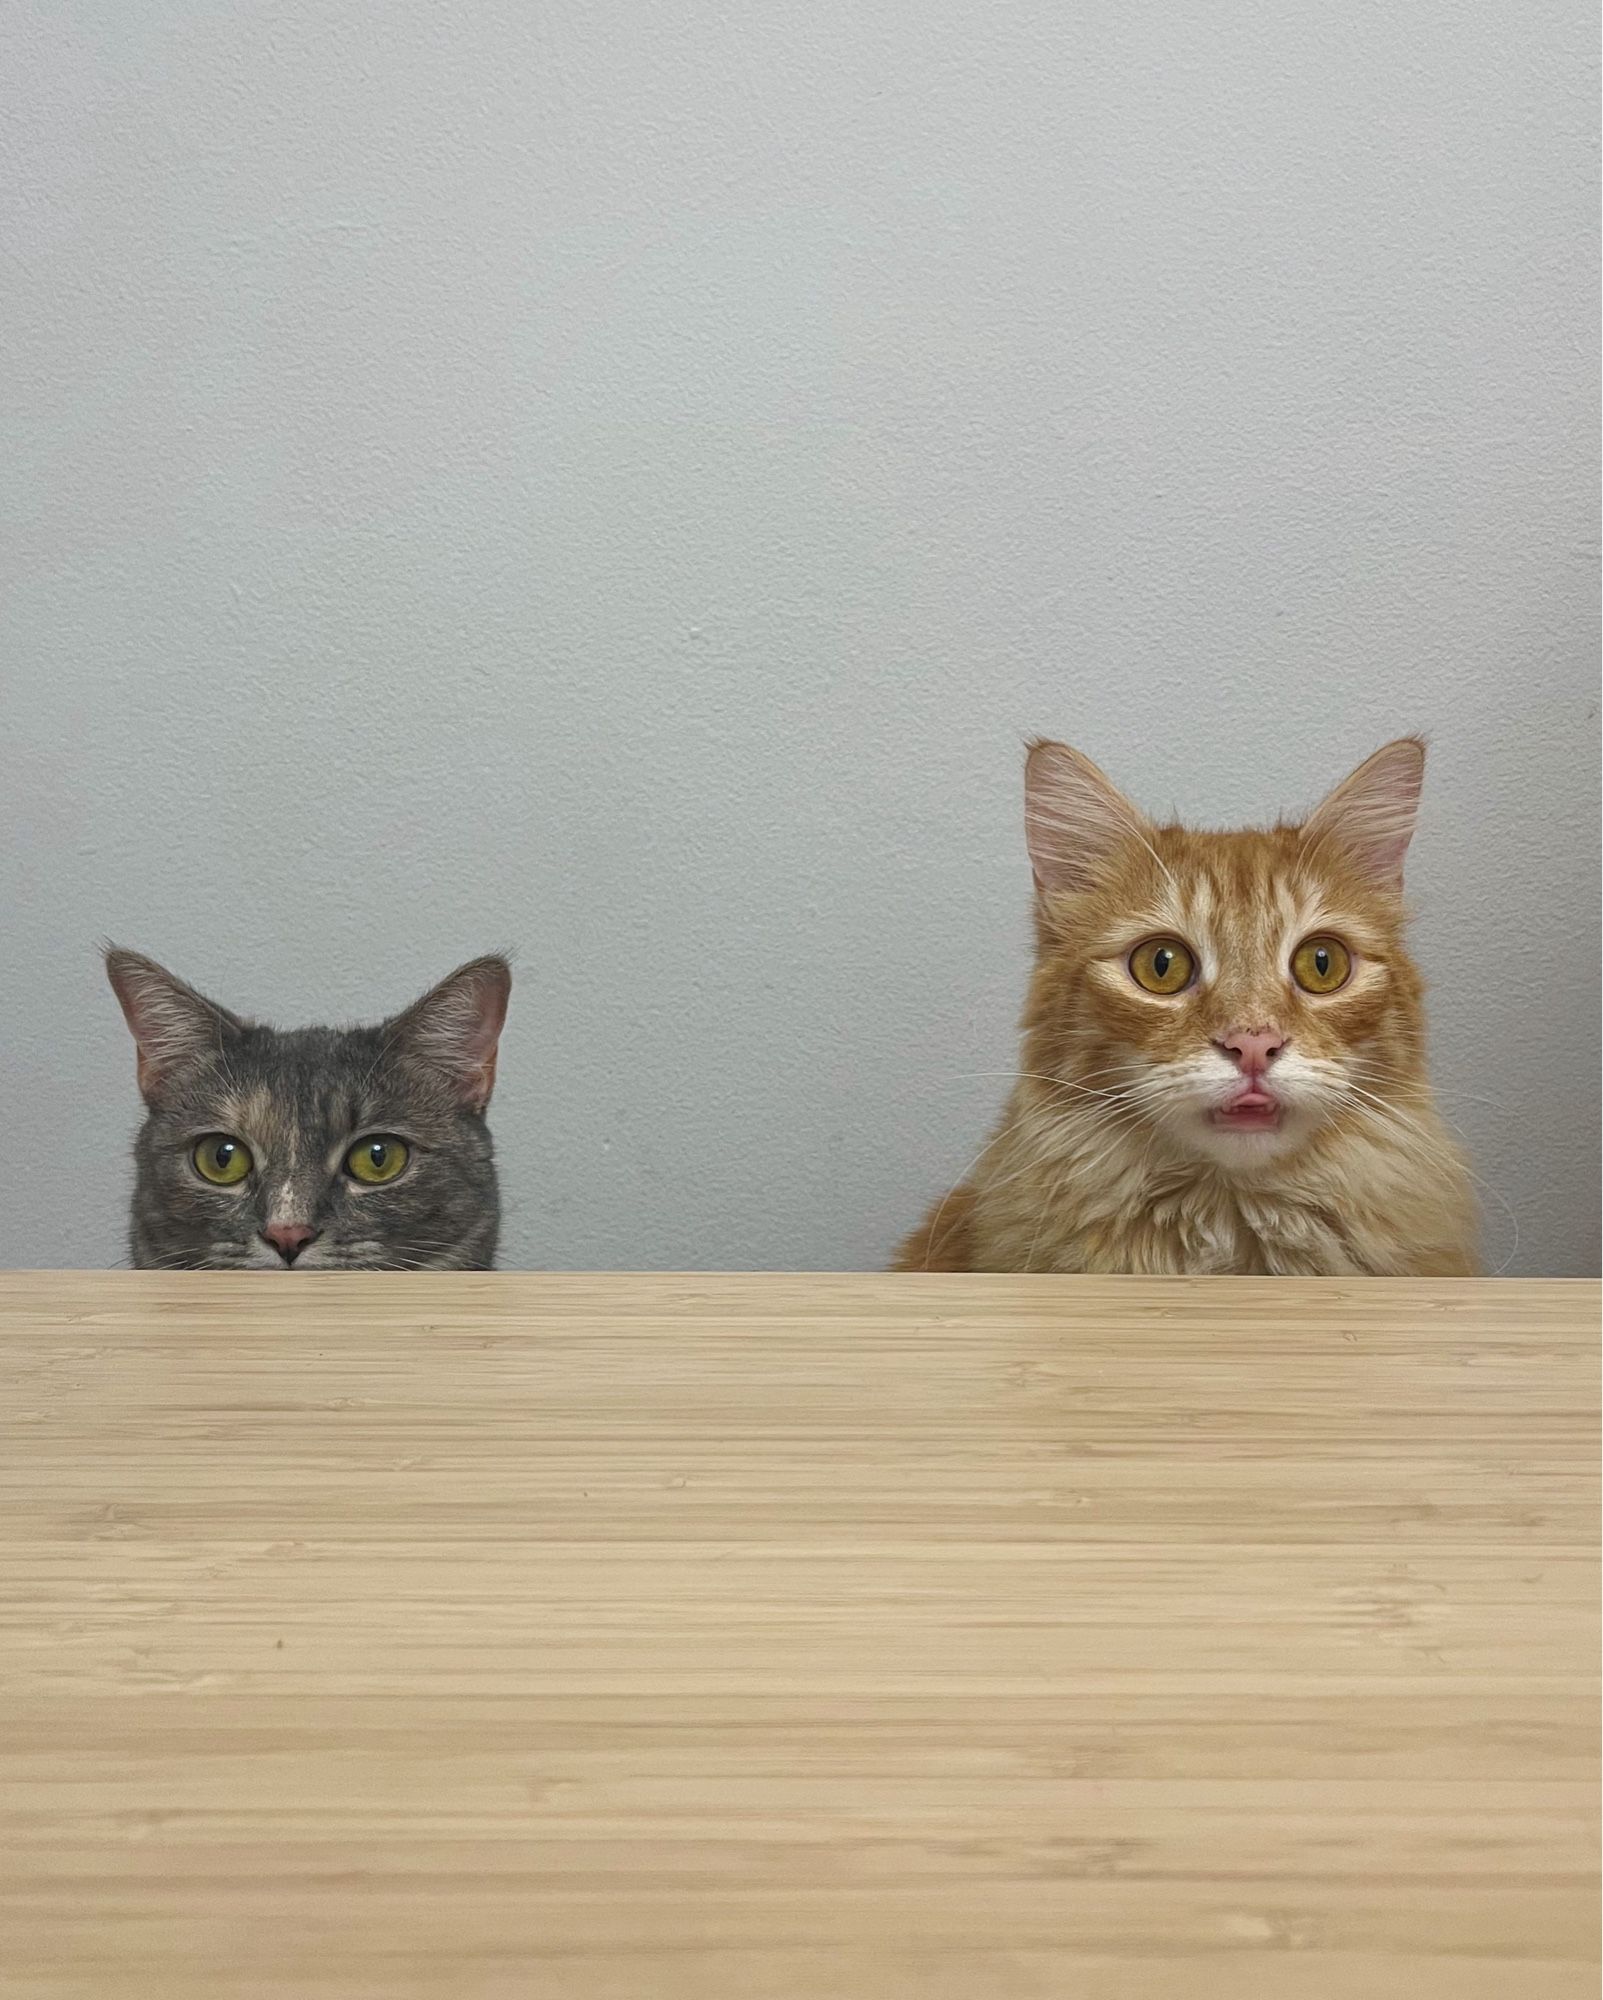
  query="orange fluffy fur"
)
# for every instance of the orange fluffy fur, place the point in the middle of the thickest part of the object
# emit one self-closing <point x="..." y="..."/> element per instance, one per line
<point x="1114" y="1153"/>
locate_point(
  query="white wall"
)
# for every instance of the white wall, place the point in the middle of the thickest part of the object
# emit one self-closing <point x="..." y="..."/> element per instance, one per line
<point x="621" y="480"/>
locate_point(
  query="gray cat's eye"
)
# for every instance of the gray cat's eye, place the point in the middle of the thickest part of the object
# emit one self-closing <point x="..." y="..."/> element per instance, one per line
<point x="377" y="1158"/>
<point x="222" y="1159"/>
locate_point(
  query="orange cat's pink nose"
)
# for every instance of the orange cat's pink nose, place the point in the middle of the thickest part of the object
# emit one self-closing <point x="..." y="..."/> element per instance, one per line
<point x="1252" y="1049"/>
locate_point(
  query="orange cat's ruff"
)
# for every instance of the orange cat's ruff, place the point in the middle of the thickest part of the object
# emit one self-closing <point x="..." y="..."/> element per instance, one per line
<point x="1223" y="1064"/>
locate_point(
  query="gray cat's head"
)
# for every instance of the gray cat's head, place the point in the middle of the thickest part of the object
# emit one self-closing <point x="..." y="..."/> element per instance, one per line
<point x="329" y="1149"/>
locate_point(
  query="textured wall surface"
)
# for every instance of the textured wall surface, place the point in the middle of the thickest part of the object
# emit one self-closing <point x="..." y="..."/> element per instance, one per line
<point x="621" y="481"/>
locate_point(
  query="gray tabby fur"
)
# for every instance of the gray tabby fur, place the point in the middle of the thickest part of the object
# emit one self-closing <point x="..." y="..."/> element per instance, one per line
<point x="298" y="1100"/>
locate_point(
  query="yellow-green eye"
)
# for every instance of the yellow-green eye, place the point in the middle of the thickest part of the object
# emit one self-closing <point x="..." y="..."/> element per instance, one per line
<point x="1321" y="964"/>
<point x="1162" y="965"/>
<point x="222" y="1160"/>
<point x="377" y="1158"/>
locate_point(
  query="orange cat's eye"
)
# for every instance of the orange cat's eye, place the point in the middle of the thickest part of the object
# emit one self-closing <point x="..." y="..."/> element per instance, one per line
<point x="1321" y="965"/>
<point x="1162" y="965"/>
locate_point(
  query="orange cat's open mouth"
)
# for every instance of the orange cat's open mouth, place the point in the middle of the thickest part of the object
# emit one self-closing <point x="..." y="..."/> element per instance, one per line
<point x="1252" y="1111"/>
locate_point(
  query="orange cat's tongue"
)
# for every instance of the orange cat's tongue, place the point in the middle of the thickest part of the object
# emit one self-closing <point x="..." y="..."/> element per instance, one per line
<point x="1253" y="1111"/>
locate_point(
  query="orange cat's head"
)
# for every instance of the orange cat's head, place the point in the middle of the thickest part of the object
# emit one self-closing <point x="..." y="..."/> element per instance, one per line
<point x="1234" y="993"/>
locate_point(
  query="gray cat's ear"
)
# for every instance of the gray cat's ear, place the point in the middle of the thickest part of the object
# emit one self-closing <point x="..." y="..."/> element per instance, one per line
<point x="1370" y="815"/>
<point x="455" y="1029"/>
<point x="170" y="1022"/>
<point x="1074" y="818"/>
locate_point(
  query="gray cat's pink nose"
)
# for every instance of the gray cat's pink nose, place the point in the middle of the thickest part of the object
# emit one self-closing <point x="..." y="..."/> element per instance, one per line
<point x="289" y="1239"/>
<point x="1252" y="1049"/>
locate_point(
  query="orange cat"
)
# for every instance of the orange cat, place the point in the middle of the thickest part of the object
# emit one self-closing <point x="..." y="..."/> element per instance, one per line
<point x="1224" y="1050"/>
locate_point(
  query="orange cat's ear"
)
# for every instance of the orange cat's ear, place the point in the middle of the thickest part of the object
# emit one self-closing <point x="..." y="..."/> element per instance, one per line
<point x="1371" y="814"/>
<point x="1074" y="818"/>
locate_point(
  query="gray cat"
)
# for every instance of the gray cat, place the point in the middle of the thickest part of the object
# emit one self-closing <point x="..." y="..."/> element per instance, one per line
<point x="329" y="1149"/>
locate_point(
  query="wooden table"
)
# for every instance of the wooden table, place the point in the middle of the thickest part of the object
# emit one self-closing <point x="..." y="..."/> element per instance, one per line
<point x="796" y="1638"/>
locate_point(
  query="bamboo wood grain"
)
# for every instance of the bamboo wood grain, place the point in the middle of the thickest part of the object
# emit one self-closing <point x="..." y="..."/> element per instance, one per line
<point x="796" y="1638"/>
